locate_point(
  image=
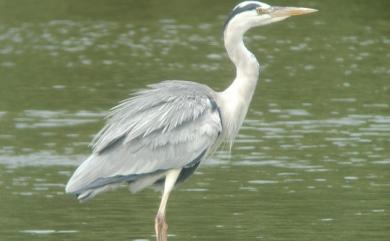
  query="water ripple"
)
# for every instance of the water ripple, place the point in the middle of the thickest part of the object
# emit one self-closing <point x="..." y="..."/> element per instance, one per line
<point x="48" y="119"/>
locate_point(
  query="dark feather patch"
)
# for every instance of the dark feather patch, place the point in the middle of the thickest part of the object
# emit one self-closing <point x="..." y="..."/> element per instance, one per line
<point x="236" y="11"/>
<point x="214" y="107"/>
<point x="188" y="170"/>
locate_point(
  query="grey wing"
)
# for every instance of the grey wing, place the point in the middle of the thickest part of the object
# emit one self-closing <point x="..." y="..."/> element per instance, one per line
<point x="173" y="124"/>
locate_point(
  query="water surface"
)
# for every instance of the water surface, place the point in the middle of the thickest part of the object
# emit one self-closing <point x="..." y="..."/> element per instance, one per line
<point x="312" y="161"/>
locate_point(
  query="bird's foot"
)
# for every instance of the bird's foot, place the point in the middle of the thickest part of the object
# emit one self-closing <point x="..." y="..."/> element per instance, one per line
<point x="161" y="228"/>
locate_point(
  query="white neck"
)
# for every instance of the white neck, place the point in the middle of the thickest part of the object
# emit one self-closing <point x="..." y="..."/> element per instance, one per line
<point x="238" y="95"/>
<point x="247" y="66"/>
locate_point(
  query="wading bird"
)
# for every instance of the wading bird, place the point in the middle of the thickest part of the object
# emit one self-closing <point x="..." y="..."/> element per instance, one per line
<point x="160" y="134"/>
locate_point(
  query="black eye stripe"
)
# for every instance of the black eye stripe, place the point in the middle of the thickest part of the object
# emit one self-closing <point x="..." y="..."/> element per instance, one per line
<point x="249" y="7"/>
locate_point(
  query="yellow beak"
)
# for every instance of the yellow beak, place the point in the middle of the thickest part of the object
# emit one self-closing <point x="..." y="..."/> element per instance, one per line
<point x="289" y="11"/>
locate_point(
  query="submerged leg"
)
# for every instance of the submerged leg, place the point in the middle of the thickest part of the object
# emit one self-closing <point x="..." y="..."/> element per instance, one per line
<point x="160" y="225"/>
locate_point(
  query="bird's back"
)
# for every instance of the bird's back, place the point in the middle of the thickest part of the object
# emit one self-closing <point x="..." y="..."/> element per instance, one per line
<point x="173" y="124"/>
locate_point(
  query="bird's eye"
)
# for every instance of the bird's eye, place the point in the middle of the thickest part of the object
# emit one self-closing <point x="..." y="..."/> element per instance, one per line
<point x="262" y="10"/>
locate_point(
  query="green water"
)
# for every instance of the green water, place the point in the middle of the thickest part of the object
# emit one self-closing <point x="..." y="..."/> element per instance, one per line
<point x="312" y="161"/>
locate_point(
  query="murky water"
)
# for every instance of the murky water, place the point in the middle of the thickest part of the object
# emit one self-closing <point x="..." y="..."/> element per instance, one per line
<point x="312" y="161"/>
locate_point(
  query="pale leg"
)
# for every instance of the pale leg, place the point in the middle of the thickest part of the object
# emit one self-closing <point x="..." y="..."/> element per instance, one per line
<point x="160" y="226"/>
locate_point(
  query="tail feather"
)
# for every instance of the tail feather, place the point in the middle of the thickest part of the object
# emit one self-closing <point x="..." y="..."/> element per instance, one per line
<point x="89" y="180"/>
<point x="80" y="178"/>
<point x="91" y="193"/>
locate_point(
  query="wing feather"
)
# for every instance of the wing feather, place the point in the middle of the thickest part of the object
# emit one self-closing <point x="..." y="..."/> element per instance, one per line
<point x="165" y="126"/>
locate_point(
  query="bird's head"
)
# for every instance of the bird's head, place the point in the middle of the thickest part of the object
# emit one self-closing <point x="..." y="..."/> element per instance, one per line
<point x="250" y="14"/>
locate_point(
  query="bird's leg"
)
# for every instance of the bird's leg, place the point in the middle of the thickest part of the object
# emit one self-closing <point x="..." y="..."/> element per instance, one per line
<point x="160" y="225"/>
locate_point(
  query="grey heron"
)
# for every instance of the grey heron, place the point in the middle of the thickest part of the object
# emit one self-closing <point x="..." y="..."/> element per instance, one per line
<point x="160" y="134"/>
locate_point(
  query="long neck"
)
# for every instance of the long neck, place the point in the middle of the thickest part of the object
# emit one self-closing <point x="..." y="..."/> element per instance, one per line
<point x="237" y="97"/>
<point x="247" y="66"/>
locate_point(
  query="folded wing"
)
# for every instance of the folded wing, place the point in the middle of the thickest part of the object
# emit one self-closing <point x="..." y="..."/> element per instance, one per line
<point x="173" y="124"/>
